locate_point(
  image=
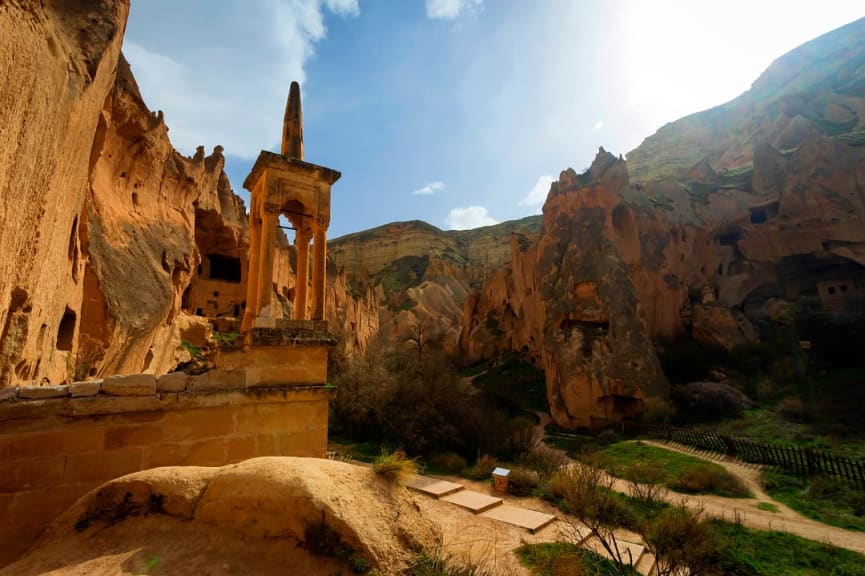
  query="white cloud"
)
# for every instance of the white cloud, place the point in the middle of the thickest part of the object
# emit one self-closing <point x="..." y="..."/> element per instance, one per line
<point x="468" y="217"/>
<point x="245" y="116"/>
<point x="429" y="189"/>
<point x="599" y="124"/>
<point x="343" y="7"/>
<point x="538" y="194"/>
<point x="451" y="9"/>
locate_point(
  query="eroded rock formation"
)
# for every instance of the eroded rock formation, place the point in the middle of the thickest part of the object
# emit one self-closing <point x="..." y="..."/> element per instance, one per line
<point x="421" y="275"/>
<point x="111" y="239"/>
<point x="234" y="517"/>
<point x="569" y="301"/>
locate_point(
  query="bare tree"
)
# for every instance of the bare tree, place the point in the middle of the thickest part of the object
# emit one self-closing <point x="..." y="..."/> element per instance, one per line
<point x="587" y="492"/>
<point x="681" y="541"/>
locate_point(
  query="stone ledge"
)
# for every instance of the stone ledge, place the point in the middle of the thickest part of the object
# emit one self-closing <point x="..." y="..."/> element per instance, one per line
<point x="22" y="408"/>
<point x="129" y="385"/>
<point x="86" y="388"/>
<point x="40" y="392"/>
<point x="292" y="336"/>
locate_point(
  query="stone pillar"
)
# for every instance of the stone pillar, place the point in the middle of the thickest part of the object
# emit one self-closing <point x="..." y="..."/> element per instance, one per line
<point x="252" y="274"/>
<point x="269" y="220"/>
<point x="319" y="265"/>
<point x="301" y="242"/>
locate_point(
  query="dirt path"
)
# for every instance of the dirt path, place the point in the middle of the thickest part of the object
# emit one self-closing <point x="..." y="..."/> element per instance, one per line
<point x="745" y="510"/>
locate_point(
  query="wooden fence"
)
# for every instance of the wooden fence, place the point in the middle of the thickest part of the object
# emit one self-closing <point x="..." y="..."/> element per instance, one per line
<point x="800" y="461"/>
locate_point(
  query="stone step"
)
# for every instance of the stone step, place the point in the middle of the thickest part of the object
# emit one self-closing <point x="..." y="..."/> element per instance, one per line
<point x="474" y="501"/>
<point x="433" y="486"/>
<point x="528" y="519"/>
<point x="646" y="564"/>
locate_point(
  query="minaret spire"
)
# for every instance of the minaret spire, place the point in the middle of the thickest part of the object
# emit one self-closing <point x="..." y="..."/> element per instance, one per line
<point x="292" y="125"/>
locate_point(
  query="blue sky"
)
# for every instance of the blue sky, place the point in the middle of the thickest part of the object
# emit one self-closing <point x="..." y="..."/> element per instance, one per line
<point x="456" y="112"/>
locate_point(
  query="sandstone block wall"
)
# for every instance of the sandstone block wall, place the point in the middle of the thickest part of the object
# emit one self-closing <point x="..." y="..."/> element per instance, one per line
<point x="55" y="446"/>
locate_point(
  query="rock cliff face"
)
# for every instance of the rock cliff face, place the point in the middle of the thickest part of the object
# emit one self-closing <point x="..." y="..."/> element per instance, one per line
<point x="719" y="223"/>
<point x="813" y="90"/>
<point x="112" y="241"/>
<point x="56" y="82"/>
<point x="568" y="301"/>
<point x="421" y="274"/>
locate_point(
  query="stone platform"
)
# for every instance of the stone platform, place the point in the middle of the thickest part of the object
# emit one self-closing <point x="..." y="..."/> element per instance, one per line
<point x="523" y="517"/>
<point x="474" y="501"/>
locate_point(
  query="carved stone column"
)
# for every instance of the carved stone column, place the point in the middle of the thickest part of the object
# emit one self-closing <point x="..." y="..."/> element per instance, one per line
<point x="301" y="242"/>
<point x="251" y="311"/>
<point x="269" y="221"/>
<point x="319" y="271"/>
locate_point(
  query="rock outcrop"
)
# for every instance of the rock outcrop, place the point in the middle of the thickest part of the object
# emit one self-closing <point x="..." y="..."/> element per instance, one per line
<point x="813" y="90"/>
<point x="192" y="519"/>
<point x="715" y="223"/>
<point x="421" y="275"/>
<point x="56" y="82"/>
<point x="114" y="244"/>
<point x="569" y="302"/>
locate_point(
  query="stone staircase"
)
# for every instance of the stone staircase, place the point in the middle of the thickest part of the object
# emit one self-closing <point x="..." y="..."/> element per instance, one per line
<point x="496" y="509"/>
<point x="481" y="504"/>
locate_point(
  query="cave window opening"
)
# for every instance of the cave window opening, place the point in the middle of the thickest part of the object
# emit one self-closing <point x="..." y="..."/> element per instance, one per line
<point x="135" y="198"/>
<point x="728" y="239"/>
<point x="721" y="269"/>
<point x="237" y="311"/>
<point x="199" y="312"/>
<point x="843" y="288"/>
<point x="224" y="268"/>
<point x="831" y="289"/>
<point x="66" y="331"/>
<point x="758" y="216"/>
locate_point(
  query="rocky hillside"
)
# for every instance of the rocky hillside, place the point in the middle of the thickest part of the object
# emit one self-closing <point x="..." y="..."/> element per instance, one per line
<point x="720" y="225"/>
<point x="113" y="243"/>
<point x="421" y="275"/>
<point x="818" y="89"/>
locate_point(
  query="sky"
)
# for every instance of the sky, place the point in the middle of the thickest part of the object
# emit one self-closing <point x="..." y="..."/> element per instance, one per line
<point x="456" y="112"/>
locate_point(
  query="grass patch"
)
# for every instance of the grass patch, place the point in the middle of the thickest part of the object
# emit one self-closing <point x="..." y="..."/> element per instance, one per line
<point x="553" y="558"/>
<point x="766" y="425"/>
<point x="682" y="473"/>
<point x="747" y="552"/>
<point x="394" y="466"/>
<point x="819" y="498"/>
<point x="441" y="565"/>
<point x="767" y="507"/>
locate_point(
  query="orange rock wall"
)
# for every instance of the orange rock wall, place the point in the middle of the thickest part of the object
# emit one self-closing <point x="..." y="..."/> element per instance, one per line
<point x="55" y="83"/>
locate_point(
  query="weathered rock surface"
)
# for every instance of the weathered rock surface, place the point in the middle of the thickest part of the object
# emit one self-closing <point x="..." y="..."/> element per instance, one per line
<point x="421" y="275"/>
<point x="235" y="517"/>
<point x="813" y="90"/>
<point x="111" y="240"/>
<point x="569" y="302"/>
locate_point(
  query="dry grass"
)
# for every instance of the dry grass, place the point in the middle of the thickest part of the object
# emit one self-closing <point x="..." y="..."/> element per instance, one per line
<point x="394" y="466"/>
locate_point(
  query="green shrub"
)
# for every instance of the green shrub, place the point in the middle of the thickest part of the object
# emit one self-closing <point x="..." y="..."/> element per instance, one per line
<point x="543" y="460"/>
<point x="449" y="462"/>
<point x="711" y="479"/>
<point x="483" y="468"/>
<point x="522" y="481"/>
<point x="681" y="540"/>
<point x="792" y="409"/>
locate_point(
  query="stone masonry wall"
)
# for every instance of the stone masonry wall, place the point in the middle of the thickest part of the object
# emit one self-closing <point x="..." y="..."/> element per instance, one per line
<point x="59" y="442"/>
